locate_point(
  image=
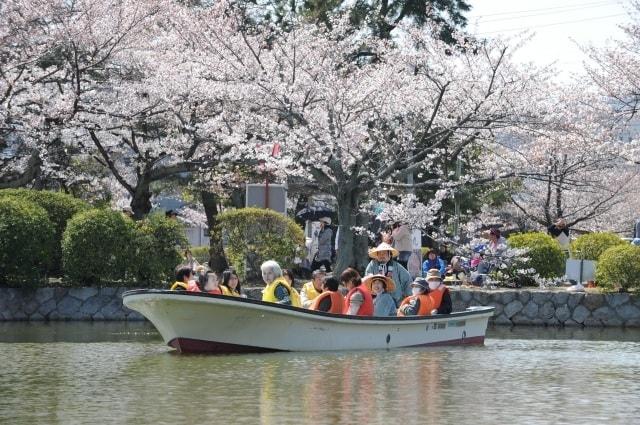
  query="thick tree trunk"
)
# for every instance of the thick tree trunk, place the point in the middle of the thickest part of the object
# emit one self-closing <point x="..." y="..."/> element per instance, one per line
<point x="141" y="200"/>
<point x="352" y="248"/>
<point x="217" y="259"/>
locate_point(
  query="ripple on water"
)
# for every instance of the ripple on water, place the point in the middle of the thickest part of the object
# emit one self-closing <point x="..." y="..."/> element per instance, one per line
<point x="116" y="374"/>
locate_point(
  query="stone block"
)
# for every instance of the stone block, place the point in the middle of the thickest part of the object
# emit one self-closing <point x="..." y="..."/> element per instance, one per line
<point x="603" y="312"/>
<point x="47" y="307"/>
<point x="98" y="316"/>
<point x="580" y="314"/>
<point x="521" y="320"/>
<point x="540" y="297"/>
<point x="507" y="297"/>
<point x="113" y="310"/>
<point x="593" y="301"/>
<point x="531" y="310"/>
<point x="524" y="296"/>
<point x="612" y="321"/>
<point x="499" y="308"/>
<point x="547" y="311"/>
<point x="615" y="300"/>
<point x="68" y="307"/>
<point x="512" y="308"/>
<point x="563" y="313"/>
<point x="37" y="317"/>
<point x="633" y="323"/>
<point x="31" y="307"/>
<point x="572" y="323"/>
<point x="134" y="316"/>
<point x="59" y="294"/>
<point x="552" y="321"/>
<point x="575" y="299"/>
<point x="44" y="294"/>
<point x="481" y="297"/>
<point x="466" y="295"/>
<point x="459" y="306"/>
<point x="502" y="320"/>
<point x="560" y="298"/>
<point x="54" y="315"/>
<point x="92" y="305"/>
<point x="83" y="294"/>
<point x="109" y="291"/>
<point x="628" y="312"/>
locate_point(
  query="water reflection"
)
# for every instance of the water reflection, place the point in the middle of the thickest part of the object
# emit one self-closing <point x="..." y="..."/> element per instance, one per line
<point x="75" y="373"/>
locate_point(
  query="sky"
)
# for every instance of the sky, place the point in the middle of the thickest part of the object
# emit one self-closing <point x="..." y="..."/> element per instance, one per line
<point x="557" y="26"/>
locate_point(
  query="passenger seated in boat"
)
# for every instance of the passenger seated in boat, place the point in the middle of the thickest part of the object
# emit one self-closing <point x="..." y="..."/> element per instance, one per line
<point x="311" y="290"/>
<point x="439" y="293"/>
<point x="278" y="289"/>
<point x="358" y="301"/>
<point x="230" y="283"/>
<point x="380" y="286"/>
<point x="330" y="300"/>
<point x="382" y="262"/>
<point x="419" y="303"/>
<point x="213" y="284"/>
<point x="184" y="281"/>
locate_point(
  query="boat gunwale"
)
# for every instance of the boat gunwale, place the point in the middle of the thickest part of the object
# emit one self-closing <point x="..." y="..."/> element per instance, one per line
<point x="478" y="310"/>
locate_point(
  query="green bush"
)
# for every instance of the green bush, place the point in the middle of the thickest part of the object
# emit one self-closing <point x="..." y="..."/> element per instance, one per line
<point x="544" y="253"/>
<point x="619" y="265"/>
<point x="157" y="244"/>
<point x="592" y="245"/>
<point x="60" y="207"/>
<point x="201" y="254"/>
<point x="98" y="246"/>
<point x="26" y="241"/>
<point x="254" y="235"/>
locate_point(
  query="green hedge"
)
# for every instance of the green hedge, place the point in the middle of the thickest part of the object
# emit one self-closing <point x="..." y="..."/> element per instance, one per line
<point x="619" y="265"/>
<point x="545" y="254"/>
<point x="592" y="245"/>
<point x="254" y="235"/>
<point x="98" y="247"/>
<point x="59" y="207"/>
<point x="157" y="245"/>
<point x="26" y="242"/>
<point x="201" y="254"/>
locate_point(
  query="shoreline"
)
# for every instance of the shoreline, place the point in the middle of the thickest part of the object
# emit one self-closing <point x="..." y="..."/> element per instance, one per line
<point x="514" y="307"/>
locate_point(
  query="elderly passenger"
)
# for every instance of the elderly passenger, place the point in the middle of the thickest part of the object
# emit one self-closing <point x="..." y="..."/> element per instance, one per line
<point x="277" y="289"/>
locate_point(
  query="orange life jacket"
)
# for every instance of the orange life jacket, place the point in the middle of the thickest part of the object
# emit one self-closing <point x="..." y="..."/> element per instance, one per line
<point x="337" y="301"/>
<point x="426" y="305"/>
<point x="436" y="297"/>
<point x="366" y="308"/>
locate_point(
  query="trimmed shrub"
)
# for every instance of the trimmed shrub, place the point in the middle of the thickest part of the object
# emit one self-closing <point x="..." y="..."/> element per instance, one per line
<point x="592" y="245"/>
<point x="97" y="247"/>
<point x="59" y="207"/>
<point x="254" y="235"/>
<point x="201" y="254"/>
<point x="544" y="252"/>
<point x="619" y="265"/>
<point x="26" y="241"/>
<point x="158" y="241"/>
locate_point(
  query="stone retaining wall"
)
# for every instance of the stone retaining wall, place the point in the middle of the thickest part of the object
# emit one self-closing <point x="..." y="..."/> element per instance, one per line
<point x="64" y="304"/>
<point x="513" y="307"/>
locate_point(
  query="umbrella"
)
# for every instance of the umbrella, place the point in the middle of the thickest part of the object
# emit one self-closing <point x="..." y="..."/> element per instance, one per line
<point x="314" y="212"/>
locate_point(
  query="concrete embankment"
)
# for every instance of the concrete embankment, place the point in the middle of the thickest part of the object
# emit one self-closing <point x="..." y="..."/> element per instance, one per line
<point x="513" y="307"/>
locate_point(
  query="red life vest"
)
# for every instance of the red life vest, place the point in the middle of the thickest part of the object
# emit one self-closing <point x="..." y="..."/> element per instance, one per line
<point x="337" y="301"/>
<point x="366" y="308"/>
<point x="216" y="291"/>
<point x="426" y="305"/>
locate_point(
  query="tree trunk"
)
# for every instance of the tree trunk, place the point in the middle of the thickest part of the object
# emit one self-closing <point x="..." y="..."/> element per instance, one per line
<point x="217" y="260"/>
<point x="141" y="200"/>
<point x="352" y="248"/>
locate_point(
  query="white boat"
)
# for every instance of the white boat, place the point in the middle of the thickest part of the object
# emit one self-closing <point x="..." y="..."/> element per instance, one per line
<point x="196" y="322"/>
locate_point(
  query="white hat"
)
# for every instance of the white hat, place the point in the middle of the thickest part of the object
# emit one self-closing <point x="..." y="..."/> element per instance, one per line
<point x="326" y="220"/>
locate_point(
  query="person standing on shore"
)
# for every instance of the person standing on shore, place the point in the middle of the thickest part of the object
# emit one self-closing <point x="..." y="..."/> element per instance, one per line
<point x="402" y="242"/>
<point x="560" y="231"/>
<point x="324" y="237"/>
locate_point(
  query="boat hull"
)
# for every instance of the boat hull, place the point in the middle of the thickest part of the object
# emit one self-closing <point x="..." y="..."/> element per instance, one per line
<point x="198" y="323"/>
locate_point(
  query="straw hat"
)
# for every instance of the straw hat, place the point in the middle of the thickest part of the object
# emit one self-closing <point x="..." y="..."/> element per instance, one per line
<point x="383" y="247"/>
<point x="368" y="281"/>
<point x="433" y="274"/>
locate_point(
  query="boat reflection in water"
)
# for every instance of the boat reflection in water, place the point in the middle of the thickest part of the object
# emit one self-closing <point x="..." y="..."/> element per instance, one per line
<point x="356" y="388"/>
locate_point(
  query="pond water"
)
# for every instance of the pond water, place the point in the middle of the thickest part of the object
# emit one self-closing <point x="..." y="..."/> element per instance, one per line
<point x="74" y="373"/>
